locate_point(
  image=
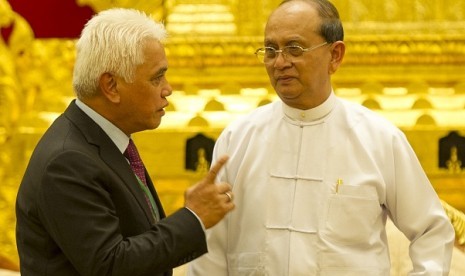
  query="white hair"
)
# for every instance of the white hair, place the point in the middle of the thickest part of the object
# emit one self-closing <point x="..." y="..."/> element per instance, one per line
<point x="112" y="41"/>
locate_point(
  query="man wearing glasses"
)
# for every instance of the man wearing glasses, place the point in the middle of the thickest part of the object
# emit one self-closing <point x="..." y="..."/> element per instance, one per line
<point x="316" y="177"/>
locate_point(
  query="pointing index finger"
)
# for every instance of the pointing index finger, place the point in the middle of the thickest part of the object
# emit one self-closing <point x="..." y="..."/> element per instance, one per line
<point x="215" y="169"/>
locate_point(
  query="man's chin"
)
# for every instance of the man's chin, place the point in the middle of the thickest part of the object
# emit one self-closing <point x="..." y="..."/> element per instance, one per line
<point x="286" y="94"/>
<point x="156" y="125"/>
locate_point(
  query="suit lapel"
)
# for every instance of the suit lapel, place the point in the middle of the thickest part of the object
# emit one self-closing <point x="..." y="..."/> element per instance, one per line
<point x="111" y="156"/>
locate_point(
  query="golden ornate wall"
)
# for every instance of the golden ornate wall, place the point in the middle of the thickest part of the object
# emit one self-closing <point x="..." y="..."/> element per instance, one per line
<point x="405" y="59"/>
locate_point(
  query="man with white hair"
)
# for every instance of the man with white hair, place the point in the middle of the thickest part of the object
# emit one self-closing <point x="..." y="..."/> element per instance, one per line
<point x="86" y="204"/>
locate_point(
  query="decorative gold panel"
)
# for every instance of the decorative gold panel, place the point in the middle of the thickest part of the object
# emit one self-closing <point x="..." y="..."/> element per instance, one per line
<point x="405" y="59"/>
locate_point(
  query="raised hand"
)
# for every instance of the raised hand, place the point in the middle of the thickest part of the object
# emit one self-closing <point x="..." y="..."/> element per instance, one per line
<point x="210" y="201"/>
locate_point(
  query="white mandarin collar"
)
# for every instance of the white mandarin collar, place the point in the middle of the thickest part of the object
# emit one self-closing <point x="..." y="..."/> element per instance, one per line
<point x="311" y="114"/>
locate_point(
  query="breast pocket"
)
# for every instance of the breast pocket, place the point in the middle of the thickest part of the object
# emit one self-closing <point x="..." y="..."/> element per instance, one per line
<point x="352" y="214"/>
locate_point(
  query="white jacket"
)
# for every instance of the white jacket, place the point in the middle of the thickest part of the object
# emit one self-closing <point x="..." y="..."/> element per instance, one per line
<point x="313" y="190"/>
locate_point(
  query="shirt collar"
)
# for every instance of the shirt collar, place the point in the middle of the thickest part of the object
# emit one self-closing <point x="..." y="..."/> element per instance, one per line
<point x="311" y="114"/>
<point x="118" y="137"/>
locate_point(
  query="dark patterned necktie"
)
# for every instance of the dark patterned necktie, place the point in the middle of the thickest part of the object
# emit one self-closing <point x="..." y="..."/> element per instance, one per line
<point x="138" y="168"/>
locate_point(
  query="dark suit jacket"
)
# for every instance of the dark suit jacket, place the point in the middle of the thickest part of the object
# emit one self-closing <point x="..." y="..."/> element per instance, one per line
<point x="80" y="210"/>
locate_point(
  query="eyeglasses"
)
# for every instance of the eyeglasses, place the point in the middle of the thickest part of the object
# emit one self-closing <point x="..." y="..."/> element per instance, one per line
<point x="269" y="54"/>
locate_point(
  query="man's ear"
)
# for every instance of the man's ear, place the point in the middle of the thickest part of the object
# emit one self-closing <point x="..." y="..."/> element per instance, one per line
<point x="338" y="50"/>
<point x="108" y="87"/>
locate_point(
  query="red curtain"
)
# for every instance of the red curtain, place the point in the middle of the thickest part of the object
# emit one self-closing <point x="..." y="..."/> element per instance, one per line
<point x="52" y="18"/>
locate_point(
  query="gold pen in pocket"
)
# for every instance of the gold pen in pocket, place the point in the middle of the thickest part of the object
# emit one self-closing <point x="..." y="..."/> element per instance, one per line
<point x="339" y="182"/>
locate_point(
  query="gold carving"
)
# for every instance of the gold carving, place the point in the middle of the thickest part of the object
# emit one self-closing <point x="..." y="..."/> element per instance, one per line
<point x="457" y="218"/>
<point x="454" y="165"/>
<point x="401" y="54"/>
<point x="10" y="114"/>
<point x="202" y="164"/>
